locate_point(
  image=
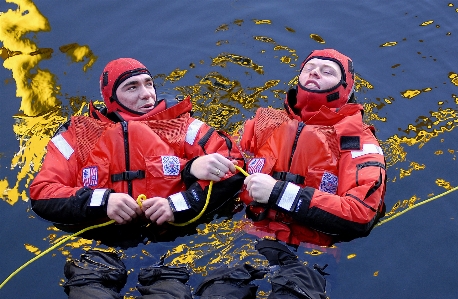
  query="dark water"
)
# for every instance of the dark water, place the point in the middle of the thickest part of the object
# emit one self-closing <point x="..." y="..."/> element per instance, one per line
<point x="232" y="57"/>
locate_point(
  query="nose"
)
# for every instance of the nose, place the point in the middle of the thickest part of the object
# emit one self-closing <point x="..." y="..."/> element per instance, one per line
<point x="147" y="92"/>
<point x="314" y="72"/>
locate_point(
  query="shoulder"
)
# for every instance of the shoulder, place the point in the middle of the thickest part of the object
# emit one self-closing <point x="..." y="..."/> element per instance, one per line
<point x="63" y="128"/>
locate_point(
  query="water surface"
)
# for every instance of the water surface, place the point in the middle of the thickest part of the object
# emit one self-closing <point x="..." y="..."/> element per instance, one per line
<point x="232" y="57"/>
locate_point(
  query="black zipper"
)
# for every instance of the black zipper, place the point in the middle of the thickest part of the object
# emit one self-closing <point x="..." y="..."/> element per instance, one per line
<point x="126" y="154"/>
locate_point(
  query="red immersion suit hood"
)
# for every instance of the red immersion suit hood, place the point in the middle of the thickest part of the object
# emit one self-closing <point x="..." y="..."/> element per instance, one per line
<point x="116" y="72"/>
<point x="308" y="102"/>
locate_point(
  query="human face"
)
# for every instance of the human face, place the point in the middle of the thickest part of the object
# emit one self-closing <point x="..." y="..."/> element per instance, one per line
<point x="137" y="93"/>
<point x="319" y="74"/>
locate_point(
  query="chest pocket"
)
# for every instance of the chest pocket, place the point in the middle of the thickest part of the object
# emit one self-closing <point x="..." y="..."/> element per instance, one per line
<point x="163" y="175"/>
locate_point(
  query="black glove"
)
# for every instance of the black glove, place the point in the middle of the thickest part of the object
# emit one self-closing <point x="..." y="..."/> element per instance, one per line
<point x="275" y="253"/>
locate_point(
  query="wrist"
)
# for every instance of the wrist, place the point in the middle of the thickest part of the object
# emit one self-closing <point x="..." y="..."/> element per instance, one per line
<point x="186" y="175"/>
<point x="275" y="193"/>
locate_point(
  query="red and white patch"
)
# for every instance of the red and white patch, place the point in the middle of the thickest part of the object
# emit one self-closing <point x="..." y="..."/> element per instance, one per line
<point x="90" y="176"/>
<point x="256" y="165"/>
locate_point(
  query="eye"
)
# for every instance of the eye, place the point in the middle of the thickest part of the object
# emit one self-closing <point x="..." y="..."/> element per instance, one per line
<point x="329" y="71"/>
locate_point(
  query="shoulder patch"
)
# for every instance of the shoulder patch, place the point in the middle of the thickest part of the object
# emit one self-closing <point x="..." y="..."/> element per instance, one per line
<point x="329" y="183"/>
<point x="90" y="176"/>
<point x="256" y="165"/>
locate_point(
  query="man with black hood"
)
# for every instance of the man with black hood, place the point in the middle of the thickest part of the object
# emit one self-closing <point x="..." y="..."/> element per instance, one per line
<point x="97" y="166"/>
<point x="318" y="173"/>
<point x="137" y="146"/>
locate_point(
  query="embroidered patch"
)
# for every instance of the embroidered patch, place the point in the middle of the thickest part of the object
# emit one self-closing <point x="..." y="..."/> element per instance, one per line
<point x="329" y="183"/>
<point x="90" y="176"/>
<point x="256" y="165"/>
<point x="170" y="165"/>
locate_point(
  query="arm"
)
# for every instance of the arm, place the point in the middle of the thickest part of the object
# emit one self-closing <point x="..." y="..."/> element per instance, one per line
<point x="53" y="192"/>
<point x="207" y="150"/>
<point x="351" y="212"/>
<point x="56" y="196"/>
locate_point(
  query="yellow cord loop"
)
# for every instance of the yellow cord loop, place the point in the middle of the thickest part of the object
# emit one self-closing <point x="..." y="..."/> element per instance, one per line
<point x="139" y="200"/>
<point x="142" y="197"/>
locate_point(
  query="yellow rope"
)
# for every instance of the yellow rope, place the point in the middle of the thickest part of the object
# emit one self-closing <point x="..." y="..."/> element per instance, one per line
<point x="207" y="200"/>
<point x="241" y="170"/>
<point x="140" y="198"/>
<point x="416" y="205"/>
<point x="395" y="215"/>
<point x="52" y="248"/>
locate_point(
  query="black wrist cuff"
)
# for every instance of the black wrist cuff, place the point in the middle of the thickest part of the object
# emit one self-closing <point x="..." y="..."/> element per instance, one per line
<point x="276" y="192"/>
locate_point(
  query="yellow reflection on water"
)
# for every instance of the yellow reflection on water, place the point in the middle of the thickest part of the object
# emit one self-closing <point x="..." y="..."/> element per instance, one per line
<point x="317" y="38"/>
<point x="264" y="39"/>
<point x="79" y="53"/>
<point x="402" y="204"/>
<point x="223" y="58"/>
<point x="426" y="23"/>
<point x="389" y="44"/>
<point x="34" y="86"/>
<point x="443" y="183"/>
<point x="217" y="244"/>
<point x="453" y="78"/>
<point x="37" y="89"/>
<point x="33" y="249"/>
<point x="176" y="75"/>
<point x="413" y="166"/>
<point x="414" y="92"/>
<point x="262" y="22"/>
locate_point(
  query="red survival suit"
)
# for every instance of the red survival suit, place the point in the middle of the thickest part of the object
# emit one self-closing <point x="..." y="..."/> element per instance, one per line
<point x="330" y="171"/>
<point x="94" y="156"/>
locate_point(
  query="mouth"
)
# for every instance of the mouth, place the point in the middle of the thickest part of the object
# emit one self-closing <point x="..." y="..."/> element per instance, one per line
<point x="147" y="106"/>
<point x="312" y="84"/>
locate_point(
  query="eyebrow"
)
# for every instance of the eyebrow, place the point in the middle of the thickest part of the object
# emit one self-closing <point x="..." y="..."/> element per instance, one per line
<point x="136" y="81"/>
<point x="325" y="65"/>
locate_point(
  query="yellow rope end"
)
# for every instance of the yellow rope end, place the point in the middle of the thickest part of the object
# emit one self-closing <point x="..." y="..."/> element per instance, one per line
<point x="140" y="199"/>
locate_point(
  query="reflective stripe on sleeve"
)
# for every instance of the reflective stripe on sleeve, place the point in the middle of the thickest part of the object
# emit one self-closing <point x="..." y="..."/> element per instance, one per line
<point x="367" y="149"/>
<point x="62" y="145"/>
<point x="288" y="197"/>
<point x="97" y="197"/>
<point x="179" y="202"/>
<point x="193" y="129"/>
